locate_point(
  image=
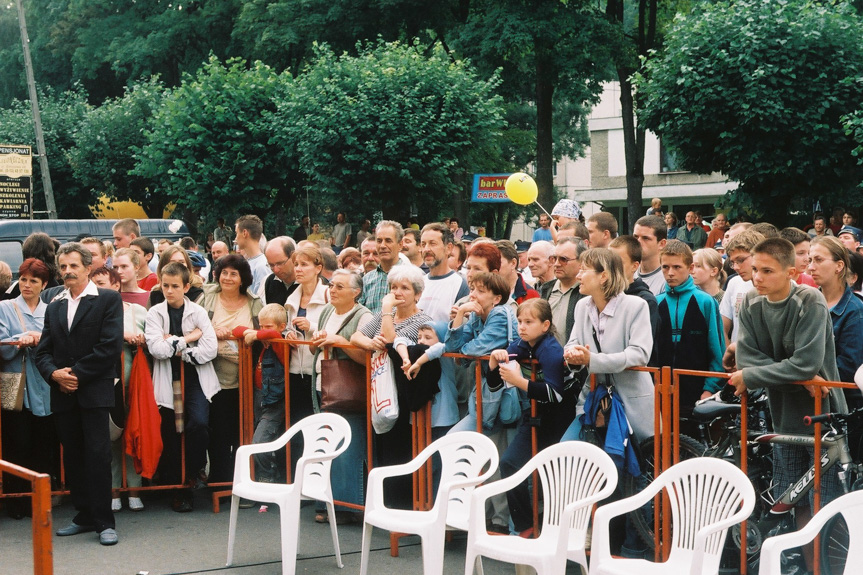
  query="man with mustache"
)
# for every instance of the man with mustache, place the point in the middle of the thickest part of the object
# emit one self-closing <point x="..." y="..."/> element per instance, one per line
<point x="78" y="356"/>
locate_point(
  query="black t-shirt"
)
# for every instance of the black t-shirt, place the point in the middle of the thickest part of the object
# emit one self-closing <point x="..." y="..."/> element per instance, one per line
<point x="175" y="319"/>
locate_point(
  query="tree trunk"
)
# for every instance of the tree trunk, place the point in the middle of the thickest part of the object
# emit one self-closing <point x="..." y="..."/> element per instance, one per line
<point x="633" y="146"/>
<point x="544" y="136"/>
<point x="461" y="202"/>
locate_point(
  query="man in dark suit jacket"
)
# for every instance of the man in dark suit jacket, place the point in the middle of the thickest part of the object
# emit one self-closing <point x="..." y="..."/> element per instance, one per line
<point x="78" y="355"/>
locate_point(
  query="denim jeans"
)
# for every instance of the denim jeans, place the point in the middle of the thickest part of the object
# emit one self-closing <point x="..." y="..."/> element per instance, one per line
<point x="196" y="412"/>
<point x="270" y="426"/>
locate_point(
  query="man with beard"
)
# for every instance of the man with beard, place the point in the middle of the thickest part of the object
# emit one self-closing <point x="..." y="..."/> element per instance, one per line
<point x="369" y="254"/>
<point x="443" y="286"/>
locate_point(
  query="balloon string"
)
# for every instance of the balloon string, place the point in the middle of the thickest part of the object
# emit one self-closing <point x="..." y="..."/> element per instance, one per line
<point x="542" y="208"/>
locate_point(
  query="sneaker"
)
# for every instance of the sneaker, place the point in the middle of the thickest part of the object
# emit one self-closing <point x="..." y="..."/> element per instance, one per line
<point x="135" y="504"/>
<point x="116" y="504"/>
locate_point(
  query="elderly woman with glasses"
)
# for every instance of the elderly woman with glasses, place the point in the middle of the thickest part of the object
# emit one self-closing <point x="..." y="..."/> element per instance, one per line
<point x="339" y="320"/>
<point x="399" y="317"/>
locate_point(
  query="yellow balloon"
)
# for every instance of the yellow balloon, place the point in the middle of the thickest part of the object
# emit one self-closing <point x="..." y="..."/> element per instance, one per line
<point x="521" y="188"/>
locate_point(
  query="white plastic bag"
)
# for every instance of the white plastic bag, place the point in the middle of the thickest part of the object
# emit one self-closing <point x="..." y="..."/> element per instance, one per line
<point x="385" y="403"/>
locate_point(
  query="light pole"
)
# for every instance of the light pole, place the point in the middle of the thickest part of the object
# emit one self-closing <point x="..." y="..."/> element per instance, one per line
<point x="37" y="120"/>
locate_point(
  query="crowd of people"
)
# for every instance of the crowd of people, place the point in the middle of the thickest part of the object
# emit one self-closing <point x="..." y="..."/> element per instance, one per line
<point x="770" y="307"/>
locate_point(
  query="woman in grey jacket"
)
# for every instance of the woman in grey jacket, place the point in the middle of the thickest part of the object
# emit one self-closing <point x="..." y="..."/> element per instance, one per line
<point x="611" y="332"/>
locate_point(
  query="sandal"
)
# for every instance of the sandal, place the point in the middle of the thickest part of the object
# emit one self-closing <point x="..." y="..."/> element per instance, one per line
<point x="321" y="517"/>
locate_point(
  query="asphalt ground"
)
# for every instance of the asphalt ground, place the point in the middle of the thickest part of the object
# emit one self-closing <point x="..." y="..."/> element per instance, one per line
<point x="158" y="541"/>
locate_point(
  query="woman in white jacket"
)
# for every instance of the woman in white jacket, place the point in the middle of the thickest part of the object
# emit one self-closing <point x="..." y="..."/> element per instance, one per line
<point x="304" y="307"/>
<point x="619" y="324"/>
<point x="179" y="335"/>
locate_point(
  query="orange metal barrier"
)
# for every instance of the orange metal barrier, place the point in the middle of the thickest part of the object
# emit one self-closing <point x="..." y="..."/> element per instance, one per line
<point x="671" y="443"/>
<point x="43" y="550"/>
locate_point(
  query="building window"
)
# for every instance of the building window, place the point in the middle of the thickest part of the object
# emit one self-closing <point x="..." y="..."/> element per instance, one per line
<point x="667" y="160"/>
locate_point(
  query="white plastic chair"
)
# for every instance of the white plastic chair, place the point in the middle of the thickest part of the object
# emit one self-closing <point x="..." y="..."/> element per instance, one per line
<point x="574" y="476"/>
<point x="463" y="455"/>
<point x="706" y="495"/>
<point x="849" y="506"/>
<point x="325" y="436"/>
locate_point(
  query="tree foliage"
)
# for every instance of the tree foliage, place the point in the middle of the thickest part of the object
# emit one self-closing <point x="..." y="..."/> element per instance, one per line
<point x="756" y="89"/>
<point x="209" y="147"/>
<point x="110" y="44"/>
<point x="553" y="58"/>
<point x="103" y="157"/>
<point x="389" y="127"/>
<point x="61" y="114"/>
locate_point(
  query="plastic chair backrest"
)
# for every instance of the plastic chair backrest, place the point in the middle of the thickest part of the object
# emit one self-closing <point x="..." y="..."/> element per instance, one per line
<point x="853" y="516"/>
<point x="569" y="472"/>
<point x="465" y="455"/>
<point x="702" y="492"/>
<point x="323" y="434"/>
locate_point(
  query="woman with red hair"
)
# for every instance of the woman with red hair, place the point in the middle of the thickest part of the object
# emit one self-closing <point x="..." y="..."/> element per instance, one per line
<point x="28" y="438"/>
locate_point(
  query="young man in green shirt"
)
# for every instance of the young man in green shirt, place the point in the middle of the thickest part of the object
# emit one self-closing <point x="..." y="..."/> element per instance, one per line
<point x="786" y="336"/>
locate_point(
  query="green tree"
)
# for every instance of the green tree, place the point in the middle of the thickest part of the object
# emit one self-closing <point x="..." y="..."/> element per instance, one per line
<point x="61" y="114"/>
<point x="208" y="145"/>
<point x="106" y="45"/>
<point x="389" y="128"/>
<point x="282" y="32"/>
<point x="755" y="89"/>
<point x="639" y="27"/>
<point x="103" y="157"/>
<point x="553" y="56"/>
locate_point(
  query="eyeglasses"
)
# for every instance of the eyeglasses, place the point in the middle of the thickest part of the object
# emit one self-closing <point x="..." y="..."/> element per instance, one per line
<point x="563" y="260"/>
<point x="277" y="264"/>
<point x="338" y="287"/>
<point x="739" y="261"/>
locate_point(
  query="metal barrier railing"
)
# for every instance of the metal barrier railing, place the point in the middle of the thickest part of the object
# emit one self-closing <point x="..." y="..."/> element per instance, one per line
<point x="43" y="550"/>
<point x="666" y="449"/>
<point x="670" y="452"/>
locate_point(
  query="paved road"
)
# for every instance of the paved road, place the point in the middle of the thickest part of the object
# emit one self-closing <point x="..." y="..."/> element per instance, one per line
<point x="161" y="542"/>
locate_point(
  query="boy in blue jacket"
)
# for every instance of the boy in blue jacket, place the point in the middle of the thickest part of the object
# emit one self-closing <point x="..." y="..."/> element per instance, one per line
<point x="690" y="327"/>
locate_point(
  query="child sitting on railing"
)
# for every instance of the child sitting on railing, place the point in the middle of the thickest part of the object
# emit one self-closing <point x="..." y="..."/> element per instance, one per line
<point x="269" y="386"/>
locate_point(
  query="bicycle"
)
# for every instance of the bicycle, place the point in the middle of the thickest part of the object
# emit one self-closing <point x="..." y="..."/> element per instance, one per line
<point x="835" y="451"/>
<point x="716" y="424"/>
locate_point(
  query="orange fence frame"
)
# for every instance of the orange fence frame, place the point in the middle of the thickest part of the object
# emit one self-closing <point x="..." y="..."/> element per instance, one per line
<point x="666" y="449"/>
<point x="43" y="549"/>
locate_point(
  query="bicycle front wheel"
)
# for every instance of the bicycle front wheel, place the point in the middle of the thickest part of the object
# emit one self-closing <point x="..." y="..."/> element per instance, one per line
<point x="835" y="539"/>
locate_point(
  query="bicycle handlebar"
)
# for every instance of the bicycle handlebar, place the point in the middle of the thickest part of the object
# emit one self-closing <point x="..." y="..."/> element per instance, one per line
<point x="841" y="418"/>
<point x="823" y="418"/>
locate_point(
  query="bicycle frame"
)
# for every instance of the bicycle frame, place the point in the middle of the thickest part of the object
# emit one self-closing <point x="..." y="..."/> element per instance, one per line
<point x="835" y="450"/>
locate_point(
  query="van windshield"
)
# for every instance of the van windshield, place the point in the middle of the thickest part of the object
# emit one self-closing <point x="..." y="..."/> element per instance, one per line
<point x="10" y="252"/>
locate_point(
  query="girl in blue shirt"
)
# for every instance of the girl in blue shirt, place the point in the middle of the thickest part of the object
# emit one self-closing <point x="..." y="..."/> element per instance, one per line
<point x="556" y="402"/>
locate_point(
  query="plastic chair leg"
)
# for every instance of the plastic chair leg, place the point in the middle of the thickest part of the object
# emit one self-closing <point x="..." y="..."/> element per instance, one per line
<point x="433" y="551"/>
<point x="472" y="563"/>
<point x="232" y="528"/>
<point x="290" y="524"/>
<point x="331" y="515"/>
<point x="366" y="546"/>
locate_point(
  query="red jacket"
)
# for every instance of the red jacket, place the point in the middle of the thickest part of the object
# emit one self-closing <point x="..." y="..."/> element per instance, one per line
<point x="263" y="334"/>
<point x="143" y="435"/>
